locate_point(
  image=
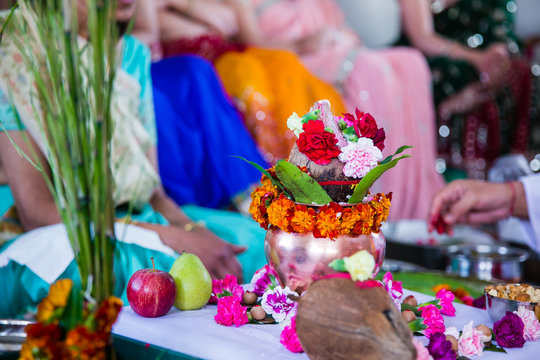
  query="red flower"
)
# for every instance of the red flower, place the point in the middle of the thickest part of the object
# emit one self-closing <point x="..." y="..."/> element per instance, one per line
<point x="379" y="138"/>
<point x="317" y="144"/>
<point x="365" y="125"/>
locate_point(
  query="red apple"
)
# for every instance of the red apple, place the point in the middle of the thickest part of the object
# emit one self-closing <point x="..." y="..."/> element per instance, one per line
<point x="151" y="292"/>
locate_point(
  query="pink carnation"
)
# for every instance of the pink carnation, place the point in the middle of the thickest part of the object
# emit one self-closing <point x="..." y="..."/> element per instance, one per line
<point x="422" y="353"/>
<point x="289" y="338"/>
<point x="226" y="287"/>
<point x="531" y="331"/>
<point x="432" y="319"/>
<point x="470" y="342"/>
<point x="359" y="157"/>
<point x="265" y="278"/>
<point x="445" y="300"/>
<point x="231" y="312"/>
<point x="394" y="288"/>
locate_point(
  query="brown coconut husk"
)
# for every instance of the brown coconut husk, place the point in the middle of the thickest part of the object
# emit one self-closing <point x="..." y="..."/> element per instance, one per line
<point x="337" y="320"/>
<point x="321" y="173"/>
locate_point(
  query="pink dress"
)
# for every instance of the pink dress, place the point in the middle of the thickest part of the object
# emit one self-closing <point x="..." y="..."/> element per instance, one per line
<point x="393" y="84"/>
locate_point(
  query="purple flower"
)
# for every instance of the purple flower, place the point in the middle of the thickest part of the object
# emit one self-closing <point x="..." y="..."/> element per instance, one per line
<point x="264" y="279"/>
<point x="445" y="300"/>
<point x="276" y="303"/>
<point x="440" y="348"/>
<point x="509" y="331"/>
<point x="480" y="302"/>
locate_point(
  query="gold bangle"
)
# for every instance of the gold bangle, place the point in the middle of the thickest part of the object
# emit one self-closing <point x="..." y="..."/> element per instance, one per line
<point x="194" y="225"/>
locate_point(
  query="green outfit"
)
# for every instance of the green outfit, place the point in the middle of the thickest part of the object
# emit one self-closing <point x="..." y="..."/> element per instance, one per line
<point x="22" y="288"/>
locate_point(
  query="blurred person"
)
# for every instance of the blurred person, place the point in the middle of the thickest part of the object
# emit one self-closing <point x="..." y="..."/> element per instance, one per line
<point x="392" y="84"/>
<point x="217" y="243"/>
<point x="480" y="202"/>
<point x="267" y="84"/>
<point x="481" y="86"/>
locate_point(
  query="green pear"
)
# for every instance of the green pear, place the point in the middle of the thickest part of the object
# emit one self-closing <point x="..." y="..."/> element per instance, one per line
<point x="193" y="282"/>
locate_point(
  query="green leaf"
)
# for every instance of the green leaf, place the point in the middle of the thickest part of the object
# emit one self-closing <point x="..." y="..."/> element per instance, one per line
<point x="350" y="134"/>
<point x="417" y="325"/>
<point x="372" y="176"/>
<point x="303" y="187"/>
<point x="411" y="308"/>
<point x="275" y="181"/>
<point x="398" y="151"/>
<point x="312" y="115"/>
<point x="494" y="348"/>
<point x="72" y="315"/>
<point x="338" y="265"/>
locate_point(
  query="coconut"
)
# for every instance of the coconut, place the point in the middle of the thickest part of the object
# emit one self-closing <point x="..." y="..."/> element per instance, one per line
<point x="338" y="320"/>
<point x="322" y="173"/>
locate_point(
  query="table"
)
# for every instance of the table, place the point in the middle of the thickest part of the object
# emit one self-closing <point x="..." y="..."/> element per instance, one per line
<point x="195" y="334"/>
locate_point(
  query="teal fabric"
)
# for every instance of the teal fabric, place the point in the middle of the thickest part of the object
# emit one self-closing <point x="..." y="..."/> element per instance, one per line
<point x="6" y="199"/>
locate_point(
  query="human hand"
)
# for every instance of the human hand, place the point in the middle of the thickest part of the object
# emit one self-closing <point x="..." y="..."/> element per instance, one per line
<point x="493" y="64"/>
<point x="161" y="4"/>
<point x="218" y="256"/>
<point x="469" y="201"/>
<point x="219" y="17"/>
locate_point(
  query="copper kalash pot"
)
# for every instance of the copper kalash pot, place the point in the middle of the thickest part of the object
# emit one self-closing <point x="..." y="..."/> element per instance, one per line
<point x="300" y="258"/>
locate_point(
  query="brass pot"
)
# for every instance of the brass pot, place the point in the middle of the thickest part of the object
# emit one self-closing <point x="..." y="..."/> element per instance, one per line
<point x="299" y="259"/>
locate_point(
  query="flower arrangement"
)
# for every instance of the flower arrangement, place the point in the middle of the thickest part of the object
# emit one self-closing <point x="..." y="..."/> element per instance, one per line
<point x="64" y="330"/>
<point x="324" y="186"/>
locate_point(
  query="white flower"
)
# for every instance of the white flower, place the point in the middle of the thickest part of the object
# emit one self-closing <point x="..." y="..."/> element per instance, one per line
<point x="452" y="331"/>
<point x="359" y="157"/>
<point x="276" y="303"/>
<point x="294" y="123"/>
<point x="360" y="265"/>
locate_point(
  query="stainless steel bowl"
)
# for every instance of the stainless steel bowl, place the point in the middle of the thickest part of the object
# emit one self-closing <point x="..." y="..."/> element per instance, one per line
<point x="487" y="262"/>
<point x="497" y="307"/>
<point x="12" y="334"/>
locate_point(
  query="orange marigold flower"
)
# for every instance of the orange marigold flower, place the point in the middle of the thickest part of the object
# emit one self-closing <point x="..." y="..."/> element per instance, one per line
<point x="439" y="287"/>
<point x="59" y="292"/>
<point x="42" y="336"/>
<point x="349" y="218"/>
<point x="107" y="313"/>
<point x="26" y="352"/>
<point x="460" y="293"/>
<point x="303" y="219"/>
<point x="83" y="344"/>
<point x="279" y="212"/>
<point x="328" y="222"/>
<point x="45" y="311"/>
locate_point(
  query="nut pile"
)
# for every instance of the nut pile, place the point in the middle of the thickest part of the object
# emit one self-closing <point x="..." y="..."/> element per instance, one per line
<point x="517" y="292"/>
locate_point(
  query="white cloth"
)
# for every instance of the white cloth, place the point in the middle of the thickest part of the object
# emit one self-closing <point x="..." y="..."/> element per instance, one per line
<point x="531" y="227"/>
<point x="52" y="243"/>
<point x="195" y="333"/>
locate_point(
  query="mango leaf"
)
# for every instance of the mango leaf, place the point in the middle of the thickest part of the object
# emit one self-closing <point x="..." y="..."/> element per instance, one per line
<point x="275" y="181"/>
<point x="303" y="187"/>
<point x="338" y="265"/>
<point x="405" y="306"/>
<point x="494" y="348"/>
<point x="417" y="325"/>
<point x="372" y="176"/>
<point x="398" y="151"/>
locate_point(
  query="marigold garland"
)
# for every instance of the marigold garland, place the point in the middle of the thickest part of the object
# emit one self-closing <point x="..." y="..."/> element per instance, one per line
<point x="273" y="210"/>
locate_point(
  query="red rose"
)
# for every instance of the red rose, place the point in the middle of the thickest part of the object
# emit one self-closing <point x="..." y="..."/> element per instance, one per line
<point x="317" y="144"/>
<point x="365" y="125"/>
<point x="378" y="139"/>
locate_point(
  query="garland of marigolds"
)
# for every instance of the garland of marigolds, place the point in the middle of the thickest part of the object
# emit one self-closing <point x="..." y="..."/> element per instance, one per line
<point x="272" y="209"/>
